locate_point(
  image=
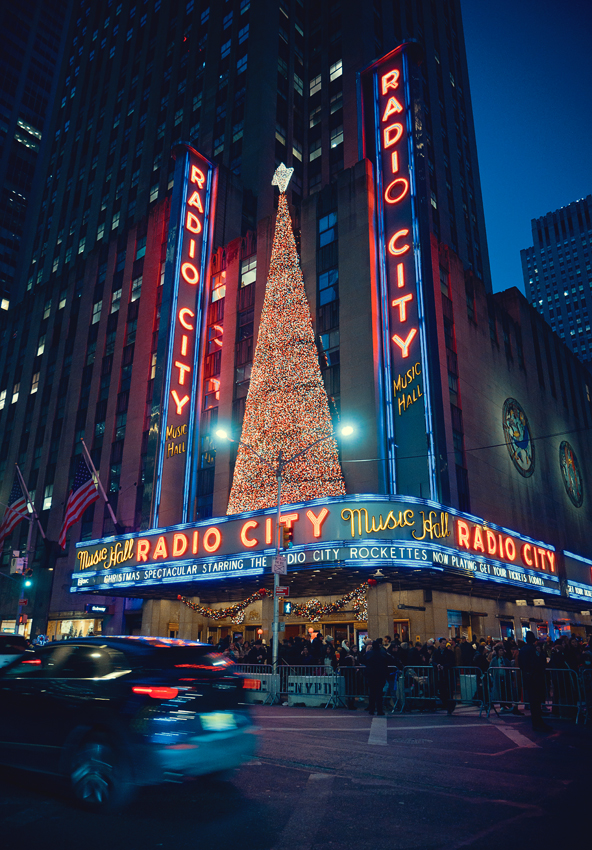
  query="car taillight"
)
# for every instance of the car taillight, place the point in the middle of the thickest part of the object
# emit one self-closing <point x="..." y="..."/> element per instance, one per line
<point x="252" y="684"/>
<point x="32" y="661"/>
<point x="156" y="692"/>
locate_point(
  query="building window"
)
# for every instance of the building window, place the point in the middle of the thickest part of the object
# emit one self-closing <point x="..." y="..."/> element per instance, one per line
<point x="336" y="136"/>
<point x="116" y="301"/>
<point x="328" y="286"/>
<point x="35" y="383"/>
<point x="327" y="229"/>
<point x="218" y="286"/>
<point x="136" y="288"/>
<point x="315" y="150"/>
<point x="140" y="247"/>
<point x="315" y="85"/>
<point x="248" y="271"/>
<point x="96" y="313"/>
<point x="47" y="309"/>
<point x="47" y="497"/>
<point x="336" y="70"/>
<point x="2" y="399"/>
<point x="41" y="345"/>
<point x="15" y="392"/>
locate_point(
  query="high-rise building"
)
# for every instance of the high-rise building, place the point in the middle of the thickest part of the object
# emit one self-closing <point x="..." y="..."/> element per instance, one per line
<point x="33" y="37"/>
<point x="557" y="273"/>
<point x="139" y="306"/>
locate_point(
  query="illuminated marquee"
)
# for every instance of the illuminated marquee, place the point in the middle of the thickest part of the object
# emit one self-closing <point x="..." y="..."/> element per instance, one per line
<point x="403" y="332"/>
<point x="185" y="280"/>
<point x="360" y="530"/>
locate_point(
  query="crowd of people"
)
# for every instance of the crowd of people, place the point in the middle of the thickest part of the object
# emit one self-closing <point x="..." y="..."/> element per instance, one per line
<point x="382" y="658"/>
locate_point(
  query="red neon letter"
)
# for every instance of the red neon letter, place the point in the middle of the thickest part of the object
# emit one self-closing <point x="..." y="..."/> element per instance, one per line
<point x="184" y="343"/>
<point x="389" y="81"/>
<point x="193" y="223"/>
<point x="182" y="367"/>
<point x="526" y="549"/>
<point x="404" y="188"/>
<point x="190" y="273"/>
<point x="248" y="541"/>
<point x="400" y="276"/>
<point x="185" y="311"/>
<point x="180" y="402"/>
<point x="317" y="521"/>
<point x="392" y="106"/>
<point x="288" y="519"/>
<point x="161" y="550"/>
<point x="551" y="557"/>
<point x="268" y="530"/>
<point x="180" y="544"/>
<point x="197" y="176"/>
<point x="395" y="162"/>
<point x="478" y="539"/>
<point x="392" y="246"/>
<point x="491" y="542"/>
<point x="402" y="305"/>
<point x="192" y="248"/>
<point x="392" y="134"/>
<point x="195" y="201"/>
<point x="510" y="549"/>
<point x="462" y="533"/>
<point x="142" y="549"/>
<point x="405" y="343"/>
<point x="213" y="535"/>
<point x="195" y="541"/>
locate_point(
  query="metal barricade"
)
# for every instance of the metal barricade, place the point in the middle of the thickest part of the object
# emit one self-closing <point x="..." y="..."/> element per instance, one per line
<point x="427" y="688"/>
<point x="260" y="683"/>
<point x="562" y="694"/>
<point x="317" y="685"/>
<point x="505" y="688"/>
<point x="585" y="682"/>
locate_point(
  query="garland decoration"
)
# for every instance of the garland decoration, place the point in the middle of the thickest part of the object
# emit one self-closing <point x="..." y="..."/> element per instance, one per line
<point x="236" y="612"/>
<point x="314" y="610"/>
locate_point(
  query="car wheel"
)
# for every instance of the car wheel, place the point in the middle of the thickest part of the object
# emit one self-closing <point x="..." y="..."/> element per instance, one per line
<point x="99" y="775"/>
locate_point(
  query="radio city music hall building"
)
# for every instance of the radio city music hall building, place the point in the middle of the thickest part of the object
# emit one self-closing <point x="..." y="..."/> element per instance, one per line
<point x="466" y="480"/>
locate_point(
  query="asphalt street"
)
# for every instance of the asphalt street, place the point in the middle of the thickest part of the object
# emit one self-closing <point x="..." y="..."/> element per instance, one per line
<point x="338" y="779"/>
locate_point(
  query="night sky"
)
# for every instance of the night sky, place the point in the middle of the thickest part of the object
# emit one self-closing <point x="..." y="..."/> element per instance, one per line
<point x="530" y="68"/>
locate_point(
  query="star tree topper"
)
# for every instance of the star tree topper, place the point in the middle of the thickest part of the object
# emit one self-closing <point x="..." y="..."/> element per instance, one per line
<point x="282" y="177"/>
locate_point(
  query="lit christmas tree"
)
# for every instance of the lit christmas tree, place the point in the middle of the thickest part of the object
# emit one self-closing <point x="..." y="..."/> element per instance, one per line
<point x="287" y="408"/>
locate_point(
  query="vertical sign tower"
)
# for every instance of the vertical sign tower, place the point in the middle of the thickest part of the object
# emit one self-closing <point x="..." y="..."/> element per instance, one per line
<point x="174" y="421"/>
<point x="389" y="141"/>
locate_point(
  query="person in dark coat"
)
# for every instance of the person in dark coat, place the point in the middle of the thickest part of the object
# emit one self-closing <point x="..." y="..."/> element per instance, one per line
<point x="376" y="661"/>
<point x="443" y="663"/>
<point x="466" y="652"/>
<point x="533" y="662"/>
<point x="317" y="649"/>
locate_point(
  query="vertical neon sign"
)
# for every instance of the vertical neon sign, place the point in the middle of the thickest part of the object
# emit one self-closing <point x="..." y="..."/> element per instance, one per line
<point x="185" y="280"/>
<point x="407" y="407"/>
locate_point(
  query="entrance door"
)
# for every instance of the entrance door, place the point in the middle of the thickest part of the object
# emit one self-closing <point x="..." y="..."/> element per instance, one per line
<point x="401" y="630"/>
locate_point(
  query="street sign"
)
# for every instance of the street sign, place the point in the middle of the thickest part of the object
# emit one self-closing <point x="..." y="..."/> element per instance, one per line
<point x="279" y="565"/>
<point x="282" y="591"/>
<point x="23" y="601"/>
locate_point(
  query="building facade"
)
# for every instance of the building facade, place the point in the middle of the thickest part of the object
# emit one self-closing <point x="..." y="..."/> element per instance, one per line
<point x="557" y="273"/>
<point x="461" y="490"/>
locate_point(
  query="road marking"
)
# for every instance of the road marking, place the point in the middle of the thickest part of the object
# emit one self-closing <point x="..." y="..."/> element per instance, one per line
<point x="448" y="726"/>
<point x="378" y="731"/>
<point x="306" y="818"/>
<point x="514" y="735"/>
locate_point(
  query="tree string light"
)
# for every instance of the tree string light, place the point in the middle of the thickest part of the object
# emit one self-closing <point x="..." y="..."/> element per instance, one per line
<point x="287" y="408"/>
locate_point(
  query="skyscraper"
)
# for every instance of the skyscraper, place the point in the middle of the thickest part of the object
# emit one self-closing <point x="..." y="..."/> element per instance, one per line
<point x="557" y="273"/>
<point x="370" y="105"/>
<point x="33" y="37"/>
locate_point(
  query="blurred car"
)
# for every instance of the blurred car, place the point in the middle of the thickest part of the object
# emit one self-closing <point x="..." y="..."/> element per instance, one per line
<point x="111" y="714"/>
<point x="11" y="648"/>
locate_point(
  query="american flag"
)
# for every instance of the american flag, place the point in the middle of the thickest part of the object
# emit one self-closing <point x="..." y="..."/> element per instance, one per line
<point x="83" y="494"/>
<point x="15" y="512"/>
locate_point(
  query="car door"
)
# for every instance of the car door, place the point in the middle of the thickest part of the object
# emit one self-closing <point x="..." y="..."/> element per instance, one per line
<point x="27" y="711"/>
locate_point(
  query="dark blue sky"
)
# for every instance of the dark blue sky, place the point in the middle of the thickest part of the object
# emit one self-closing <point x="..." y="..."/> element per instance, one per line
<point x="530" y="71"/>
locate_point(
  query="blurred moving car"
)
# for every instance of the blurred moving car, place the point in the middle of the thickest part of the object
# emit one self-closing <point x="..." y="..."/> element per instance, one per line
<point x="11" y="648"/>
<point x="112" y="713"/>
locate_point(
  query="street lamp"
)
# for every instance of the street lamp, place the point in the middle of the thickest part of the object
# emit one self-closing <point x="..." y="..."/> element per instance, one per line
<point x="278" y="469"/>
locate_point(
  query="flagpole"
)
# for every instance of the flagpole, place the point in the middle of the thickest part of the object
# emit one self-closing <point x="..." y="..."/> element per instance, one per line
<point x="101" y="489"/>
<point x="29" y="501"/>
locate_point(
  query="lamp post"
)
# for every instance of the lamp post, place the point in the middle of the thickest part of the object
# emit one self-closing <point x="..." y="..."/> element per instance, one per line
<point x="278" y="470"/>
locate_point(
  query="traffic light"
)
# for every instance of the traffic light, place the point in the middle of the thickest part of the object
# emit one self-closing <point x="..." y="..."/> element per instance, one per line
<point x="27" y="577"/>
<point x="287" y="537"/>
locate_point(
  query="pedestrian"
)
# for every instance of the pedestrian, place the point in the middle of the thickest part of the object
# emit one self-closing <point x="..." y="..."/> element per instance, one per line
<point x="533" y="662"/>
<point x="466" y="652"/>
<point x="376" y="662"/>
<point x="443" y="663"/>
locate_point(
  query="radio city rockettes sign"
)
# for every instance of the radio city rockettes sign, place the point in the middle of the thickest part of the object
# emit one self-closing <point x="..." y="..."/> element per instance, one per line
<point x="186" y="272"/>
<point x="361" y="531"/>
<point x="389" y="140"/>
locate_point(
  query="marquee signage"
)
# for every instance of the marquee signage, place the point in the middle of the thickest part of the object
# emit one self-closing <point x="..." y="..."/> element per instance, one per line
<point x="579" y="576"/>
<point x="406" y="390"/>
<point x="352" y="530"/>
<point x="185" y="282"/>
